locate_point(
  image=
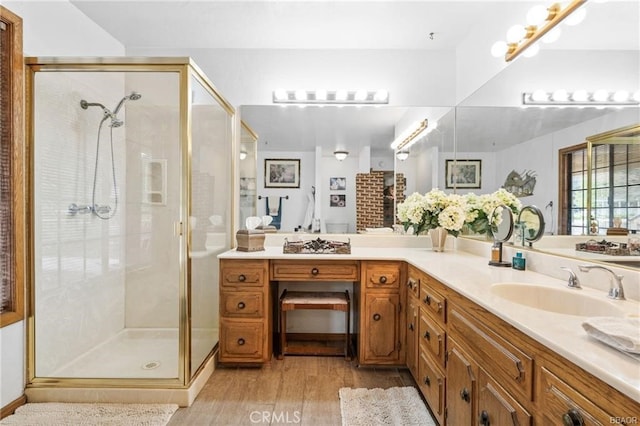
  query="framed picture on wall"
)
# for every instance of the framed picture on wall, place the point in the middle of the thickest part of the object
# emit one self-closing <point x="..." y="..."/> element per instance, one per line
<point x="463" y="173"/>
<point x="337" y="183"/>
<point x="337" y="200"/>
<point x="281" y="173"/>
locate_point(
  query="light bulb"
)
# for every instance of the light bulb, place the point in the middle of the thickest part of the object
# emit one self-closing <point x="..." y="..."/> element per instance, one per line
<point x="621" y="96"/>
<point x="361" y="95"/>
<point x="552" y="35"/>
<point x="580" y="96"/>
<point x="301" y="95"/>
<point x="600" y="95"/>
<point x="576" y="17"/>
<point x="516" y="33"/>
<point x="341" y="95"/>
<point x="560" y="95"/>
<point x="636" y="96"/>
<point x="539" y="95"/>
<point x="243" y="155"/>
<point x="381" y="95"/>
<point x="280" y="94"/>
<point x="537" y="15"/>
<point x="499" y="49"/>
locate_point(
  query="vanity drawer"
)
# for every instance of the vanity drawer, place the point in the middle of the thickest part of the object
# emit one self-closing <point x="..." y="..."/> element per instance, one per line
<point x="240" y="273"/>
<point x="512" y="367"/>
<point x="382" y="275"/>
<point x="242" y="304"/>
<point x="242" y="341"/>
<point x="317" y="270"/>
<point x="432" y="302"/>
<point x="431" y="382"/>
<point x="432" y="337"/>
<point x="560" y="401"/>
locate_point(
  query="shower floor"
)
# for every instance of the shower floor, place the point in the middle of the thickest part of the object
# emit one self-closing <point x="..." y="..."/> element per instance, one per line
<point x="138" y="353"/>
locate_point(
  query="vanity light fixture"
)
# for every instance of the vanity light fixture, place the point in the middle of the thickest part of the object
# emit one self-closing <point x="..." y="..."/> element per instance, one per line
<point x="331" y="97"/>
<point x="581" y="98"/>
<point x="340" y="155"/>
<point x="412" y="135"/>
<point x="541" y="20"/>
<point x="402" y="155"/>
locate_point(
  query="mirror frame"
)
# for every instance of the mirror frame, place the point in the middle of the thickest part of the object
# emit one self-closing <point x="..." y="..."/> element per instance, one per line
<point x="537" y="212"/>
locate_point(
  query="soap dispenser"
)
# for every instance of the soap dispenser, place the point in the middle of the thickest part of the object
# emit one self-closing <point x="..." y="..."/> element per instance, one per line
<point x="519" y="262"/>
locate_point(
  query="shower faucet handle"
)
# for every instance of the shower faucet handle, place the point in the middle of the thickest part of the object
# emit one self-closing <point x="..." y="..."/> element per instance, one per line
<point x="74" y="209"/>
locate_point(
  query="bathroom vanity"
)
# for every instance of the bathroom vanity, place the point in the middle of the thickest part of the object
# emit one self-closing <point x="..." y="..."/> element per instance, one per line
<point x="478" y="358"/>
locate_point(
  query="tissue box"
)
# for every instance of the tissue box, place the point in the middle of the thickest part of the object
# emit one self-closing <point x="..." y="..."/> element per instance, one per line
<point x="250" y="240"/>
<point x="269" y="229"/>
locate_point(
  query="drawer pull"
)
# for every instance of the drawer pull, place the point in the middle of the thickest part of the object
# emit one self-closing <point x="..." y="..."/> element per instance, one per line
<point x="383" y="279"/>
<point x="484" y="418"/>
<point x="241" y="341"/>
<point x="427" y="335"/>
<point x="410" y="284"/>
<point x="572" y="418"/>
<point x="376" y="317"/>
<point x="427" y="381"/>
<point x="427" y="299"/>
<point x="241" y="305"/>
<point x="242" y="278"/>
<point x="315" y="271"/>
<point x="464" y="395"/>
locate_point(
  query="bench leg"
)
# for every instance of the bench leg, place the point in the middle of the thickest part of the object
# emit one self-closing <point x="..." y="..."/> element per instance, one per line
<point x="283" y="333"/>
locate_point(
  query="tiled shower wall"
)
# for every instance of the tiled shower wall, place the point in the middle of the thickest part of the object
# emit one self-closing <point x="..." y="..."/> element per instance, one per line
<point x="79" y="260"/>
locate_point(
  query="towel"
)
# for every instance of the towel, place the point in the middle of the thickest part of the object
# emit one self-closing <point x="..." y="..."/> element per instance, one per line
<point x="622" y="334"/>
<point x="273" y="205"/>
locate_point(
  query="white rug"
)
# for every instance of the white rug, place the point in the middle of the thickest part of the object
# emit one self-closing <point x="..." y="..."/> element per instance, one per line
<point x="68" y="414"/>
<point x="393" y="406"/>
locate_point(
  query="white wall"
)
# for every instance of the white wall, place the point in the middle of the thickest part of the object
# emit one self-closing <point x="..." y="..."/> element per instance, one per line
<point x="50" y="29"/>
<point x="412" y="77"/>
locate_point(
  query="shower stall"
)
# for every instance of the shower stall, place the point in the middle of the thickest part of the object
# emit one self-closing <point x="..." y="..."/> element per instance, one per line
<point x="130" y="204"/>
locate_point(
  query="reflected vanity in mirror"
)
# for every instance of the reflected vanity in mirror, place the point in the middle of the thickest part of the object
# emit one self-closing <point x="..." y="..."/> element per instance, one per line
<point x="502" y="229"/>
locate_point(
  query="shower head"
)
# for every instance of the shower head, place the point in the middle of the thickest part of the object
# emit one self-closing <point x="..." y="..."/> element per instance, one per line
<point x="116" y="122"/>
<point x="134" y="96"/>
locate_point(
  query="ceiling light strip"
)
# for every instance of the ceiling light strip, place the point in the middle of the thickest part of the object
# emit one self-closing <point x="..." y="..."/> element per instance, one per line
<point x="541" y="98"/>
<point x="330" y="97"/>
<point x="409" y="137"/>
<point x="535" y="33"/>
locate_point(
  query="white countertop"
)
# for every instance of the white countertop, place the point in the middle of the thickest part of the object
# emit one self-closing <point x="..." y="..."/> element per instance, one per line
<point x="472" y="277"/>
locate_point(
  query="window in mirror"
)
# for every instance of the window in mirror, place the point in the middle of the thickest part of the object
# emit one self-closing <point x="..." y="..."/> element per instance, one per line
<point x="616" y="188"/>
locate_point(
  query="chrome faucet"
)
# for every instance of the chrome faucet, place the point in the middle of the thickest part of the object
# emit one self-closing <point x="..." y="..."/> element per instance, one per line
<point x="615" y="285"/>
<point x="573" y="282"/>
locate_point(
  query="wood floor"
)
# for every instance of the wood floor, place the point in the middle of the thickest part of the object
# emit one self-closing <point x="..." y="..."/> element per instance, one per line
<point x="300" y="390"/>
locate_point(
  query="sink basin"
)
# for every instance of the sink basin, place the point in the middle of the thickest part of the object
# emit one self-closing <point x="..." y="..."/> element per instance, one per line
<point x="559" y="300"/>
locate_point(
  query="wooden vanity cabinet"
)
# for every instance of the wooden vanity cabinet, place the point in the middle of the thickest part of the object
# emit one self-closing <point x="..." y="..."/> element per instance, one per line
<point x="245" y="311"/>
<point x="381" y="333"/>
<point x="412" y="319"/>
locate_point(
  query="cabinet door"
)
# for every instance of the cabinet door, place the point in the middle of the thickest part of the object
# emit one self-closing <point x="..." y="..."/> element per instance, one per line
<point x="461" y="387"/>
<point x="432" y="385"/>
<point x="412" y="335"/>
<point x="496" y="406"/>
<point x="562" y="404"/>
<point x="381" y="329"/>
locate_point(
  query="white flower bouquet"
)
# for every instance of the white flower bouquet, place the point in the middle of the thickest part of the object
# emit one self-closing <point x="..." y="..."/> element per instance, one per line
<point x="480" y="208"/>
<point x="431" y="210"/>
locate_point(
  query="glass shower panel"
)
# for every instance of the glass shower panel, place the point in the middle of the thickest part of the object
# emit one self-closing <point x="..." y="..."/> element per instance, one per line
<point x="247" y="168"/>
<point x="106" y="195"/>
<point x="210" y="215"/>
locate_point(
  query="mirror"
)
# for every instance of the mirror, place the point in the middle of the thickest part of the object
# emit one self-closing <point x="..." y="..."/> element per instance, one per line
<point x="530" y="224"/>
<point x="501" y="220"/>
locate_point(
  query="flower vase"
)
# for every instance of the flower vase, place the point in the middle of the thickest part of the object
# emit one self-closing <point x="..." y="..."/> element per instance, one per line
<point x="438" y="238"/>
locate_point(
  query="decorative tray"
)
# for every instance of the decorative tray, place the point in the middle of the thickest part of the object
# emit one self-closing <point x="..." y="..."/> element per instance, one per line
<point x="605" y="247"/>
<point x="317" y="246"/>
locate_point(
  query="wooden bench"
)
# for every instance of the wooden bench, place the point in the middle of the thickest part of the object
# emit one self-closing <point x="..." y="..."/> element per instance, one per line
<point x="326" y="300"/>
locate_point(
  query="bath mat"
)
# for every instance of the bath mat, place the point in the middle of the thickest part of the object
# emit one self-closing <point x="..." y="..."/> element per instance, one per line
<point x="72" y="414"/>
<point x="394" y="406"/>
